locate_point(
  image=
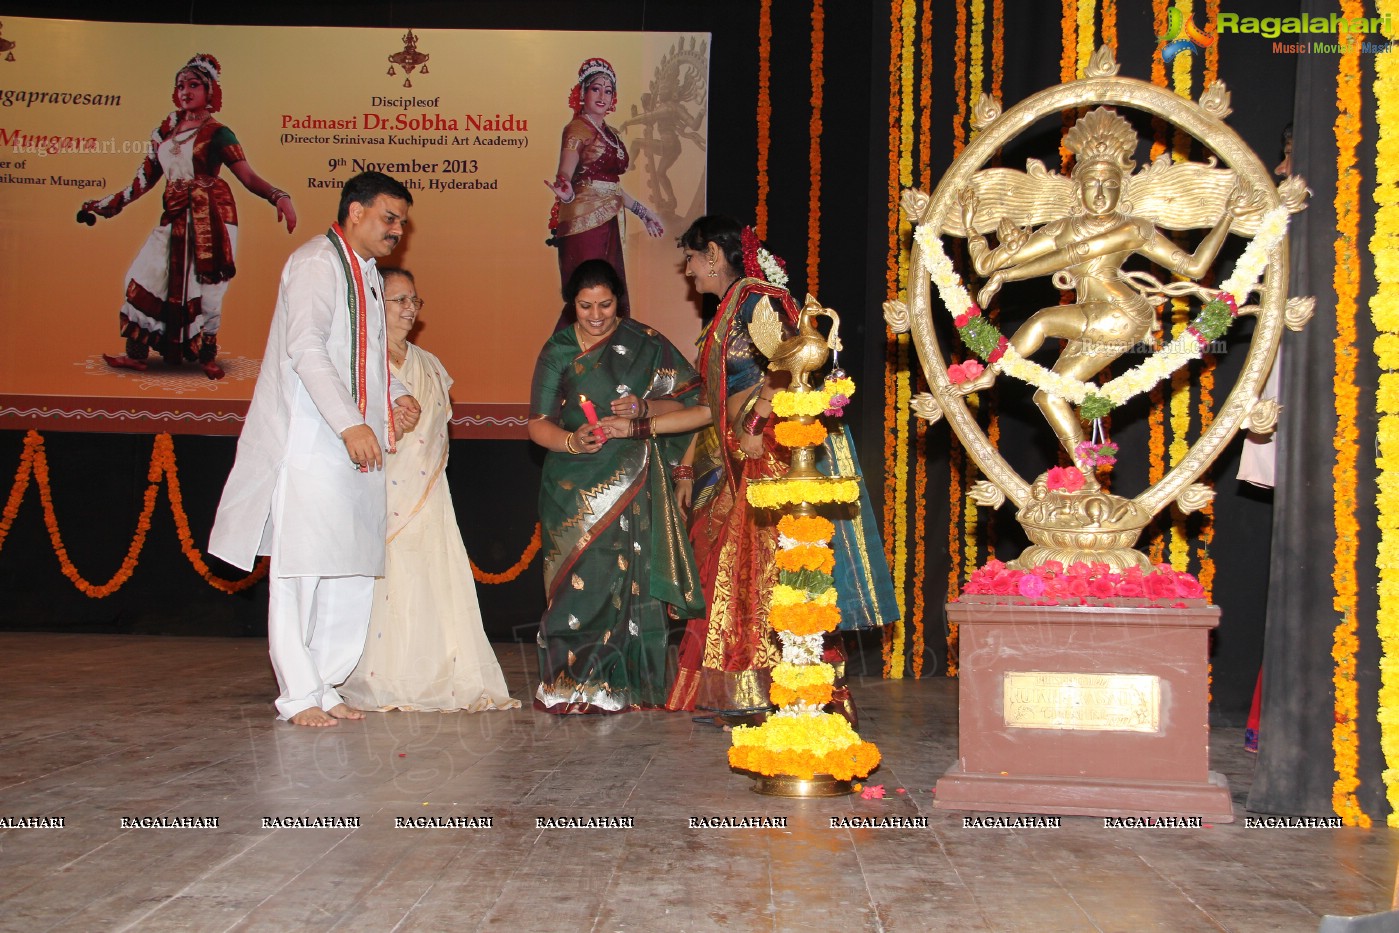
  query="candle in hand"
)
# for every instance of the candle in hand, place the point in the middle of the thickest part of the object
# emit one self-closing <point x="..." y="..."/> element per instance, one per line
<point x="590" y="412"/>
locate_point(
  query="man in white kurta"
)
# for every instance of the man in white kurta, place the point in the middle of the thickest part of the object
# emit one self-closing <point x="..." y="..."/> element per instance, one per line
<point x="307" y="485"/>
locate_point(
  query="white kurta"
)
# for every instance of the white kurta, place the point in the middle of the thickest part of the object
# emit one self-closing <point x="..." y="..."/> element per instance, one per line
<point x="292" y="479"/>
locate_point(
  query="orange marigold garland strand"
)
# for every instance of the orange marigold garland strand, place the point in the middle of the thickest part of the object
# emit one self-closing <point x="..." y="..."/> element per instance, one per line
<point x="164" y="456"/>
<point x="1068" y="29"/>
<point x="1209" y="363"/>
<point x="959" y="82"/>
<point x="21" y="484"/>
<point x="519" y="567"/>
<point x="998" y="47"/>
<point x="920" y="431"/>
<point x="925" y="99"/>
<point x="1345" y="739"/>
<point x="813" y="213"/>
<point x="34" y="463"/>
<point x="760" y="212"/>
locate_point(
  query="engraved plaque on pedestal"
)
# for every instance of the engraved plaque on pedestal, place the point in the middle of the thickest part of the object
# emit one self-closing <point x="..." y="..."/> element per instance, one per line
<point x="1082" y="701"/>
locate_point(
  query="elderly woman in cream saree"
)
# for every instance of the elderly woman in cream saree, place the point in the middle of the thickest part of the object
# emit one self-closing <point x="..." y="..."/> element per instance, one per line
<point x="426" y="649"/>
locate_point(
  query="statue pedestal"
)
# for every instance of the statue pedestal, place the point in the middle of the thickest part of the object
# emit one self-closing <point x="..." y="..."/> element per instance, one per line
<point x="1095" y="710"/>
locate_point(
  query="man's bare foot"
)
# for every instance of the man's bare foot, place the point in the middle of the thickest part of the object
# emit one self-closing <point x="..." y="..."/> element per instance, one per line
<point x="212" y="370"/>
<point x="124" y="362"/>
<point x="312" y="716"/>
<point x="342" y="711"/>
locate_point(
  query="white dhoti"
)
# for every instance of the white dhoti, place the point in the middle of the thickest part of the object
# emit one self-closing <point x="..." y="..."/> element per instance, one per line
<point x="315" y="633"/>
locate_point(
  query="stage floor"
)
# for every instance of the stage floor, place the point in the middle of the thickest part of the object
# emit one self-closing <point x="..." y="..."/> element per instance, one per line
<point x="97" y="729"/>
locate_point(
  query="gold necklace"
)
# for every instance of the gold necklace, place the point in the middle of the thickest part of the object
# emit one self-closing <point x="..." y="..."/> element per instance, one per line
<point x="189" y="134"/>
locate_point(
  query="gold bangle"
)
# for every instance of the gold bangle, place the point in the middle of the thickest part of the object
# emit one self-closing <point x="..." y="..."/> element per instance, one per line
<point x="568" y="444"/>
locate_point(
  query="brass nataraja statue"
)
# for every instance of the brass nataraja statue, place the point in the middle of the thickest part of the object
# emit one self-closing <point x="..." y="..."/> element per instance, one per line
<point x="1079" y="231"/>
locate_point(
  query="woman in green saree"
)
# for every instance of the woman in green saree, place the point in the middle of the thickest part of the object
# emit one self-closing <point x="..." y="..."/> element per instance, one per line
<point x="617" y="562"/>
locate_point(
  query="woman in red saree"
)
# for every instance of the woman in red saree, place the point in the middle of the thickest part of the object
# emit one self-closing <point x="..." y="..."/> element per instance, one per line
<point x="727" y="656"/>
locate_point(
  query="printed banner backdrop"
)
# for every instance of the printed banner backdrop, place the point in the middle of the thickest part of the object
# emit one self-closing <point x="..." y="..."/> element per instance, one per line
<point x="474" y="131"/>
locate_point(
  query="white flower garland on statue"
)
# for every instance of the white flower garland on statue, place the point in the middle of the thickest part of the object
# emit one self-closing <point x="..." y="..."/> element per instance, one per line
<point x="1160" y="365"/>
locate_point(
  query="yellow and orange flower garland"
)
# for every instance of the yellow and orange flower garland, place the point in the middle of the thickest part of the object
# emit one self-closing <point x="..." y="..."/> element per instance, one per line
<point x="1345" y="738"/>
<point x="800" y="740"/>
<point x="1384" y="311"/>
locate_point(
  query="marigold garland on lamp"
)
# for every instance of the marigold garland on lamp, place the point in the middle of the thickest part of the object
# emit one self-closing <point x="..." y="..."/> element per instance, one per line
<point x="801" y="750"/>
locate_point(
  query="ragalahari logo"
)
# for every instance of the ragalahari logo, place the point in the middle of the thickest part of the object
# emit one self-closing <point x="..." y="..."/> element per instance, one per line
<point x="1181" y="36"/>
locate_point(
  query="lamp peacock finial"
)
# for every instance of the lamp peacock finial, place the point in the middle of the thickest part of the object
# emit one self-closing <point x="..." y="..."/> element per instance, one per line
<point x="802" y="354"/>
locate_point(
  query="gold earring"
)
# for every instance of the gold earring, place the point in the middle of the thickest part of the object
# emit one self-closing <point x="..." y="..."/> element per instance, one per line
<point x="713" y="274"/>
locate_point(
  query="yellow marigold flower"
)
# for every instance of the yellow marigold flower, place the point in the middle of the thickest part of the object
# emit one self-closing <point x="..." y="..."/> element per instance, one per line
<point x="784" y="595"/>
<point x="794" y="676"/>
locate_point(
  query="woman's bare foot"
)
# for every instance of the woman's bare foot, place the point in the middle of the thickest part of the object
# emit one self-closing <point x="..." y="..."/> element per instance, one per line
<point x="212" y="370"/>
<point x="343" y="711"/>
<point x="312" y="716"/>
<point x="124" y="362"/>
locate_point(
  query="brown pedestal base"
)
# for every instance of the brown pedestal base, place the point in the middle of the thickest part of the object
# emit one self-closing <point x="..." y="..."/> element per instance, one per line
<point x="1089" y="710"/>
<point x="1076" y="796"/>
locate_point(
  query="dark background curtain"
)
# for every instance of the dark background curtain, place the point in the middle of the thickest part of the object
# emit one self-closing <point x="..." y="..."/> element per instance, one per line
<point x="1295" y="761"/>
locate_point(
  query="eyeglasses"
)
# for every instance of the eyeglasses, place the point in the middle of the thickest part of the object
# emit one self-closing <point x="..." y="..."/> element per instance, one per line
<point x="417" y="303"/>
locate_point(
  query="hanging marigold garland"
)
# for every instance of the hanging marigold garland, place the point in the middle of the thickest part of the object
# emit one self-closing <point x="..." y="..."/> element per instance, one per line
<point x="1345" y="738"/>
<point x="892" y="287"/>
<point x="1086" y="9"/>
<point x="760" y="212"/>
<point x="1110" y="23"/>
<point x="519" y="567"/>
<point x="1384" y="311"/>
<point x="1181" y="409"/>
<point x="899" y="646"/>
<point x="959" y="82"/>
<point x="813" y="212"/>
<point x="976" y="73"/>
<point x="1068" y="30"/>
<point x="920" y="427"/>
<point x="957" y="457"/>
<point x="1208" y="367"/>
<point x="164" y="455"/>
<point x="998" y="47"/>
<point x="34" y="463"/>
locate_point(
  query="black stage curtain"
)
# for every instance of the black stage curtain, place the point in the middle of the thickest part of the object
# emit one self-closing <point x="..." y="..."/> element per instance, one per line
<point x="1295" y="770"/>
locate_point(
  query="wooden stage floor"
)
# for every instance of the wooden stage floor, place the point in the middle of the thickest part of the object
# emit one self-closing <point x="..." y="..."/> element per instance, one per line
<point x="95" y="730"/>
